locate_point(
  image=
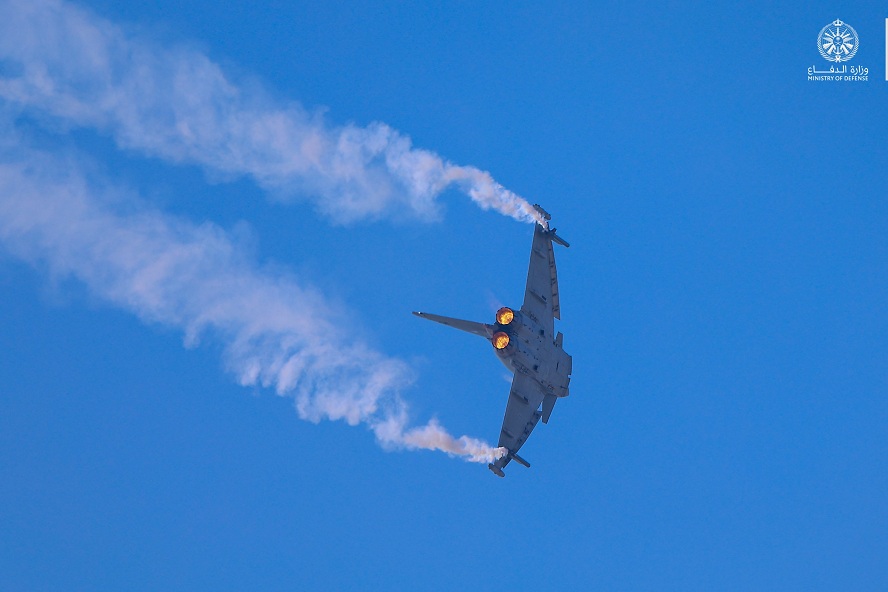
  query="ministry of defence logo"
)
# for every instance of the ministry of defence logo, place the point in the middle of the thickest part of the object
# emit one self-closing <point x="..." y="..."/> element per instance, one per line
<point x="837" y="41"/>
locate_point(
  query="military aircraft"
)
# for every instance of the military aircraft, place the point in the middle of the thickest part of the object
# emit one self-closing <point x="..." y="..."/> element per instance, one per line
<point x="526" y="343"/>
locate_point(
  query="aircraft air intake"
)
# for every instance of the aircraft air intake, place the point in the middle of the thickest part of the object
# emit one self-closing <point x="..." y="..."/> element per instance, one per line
<point x="505" y="315"/>
<point x="500" y="340"/>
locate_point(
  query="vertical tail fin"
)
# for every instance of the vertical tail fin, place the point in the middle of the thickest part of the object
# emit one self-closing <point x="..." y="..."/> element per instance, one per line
<point x="472" y="327"/>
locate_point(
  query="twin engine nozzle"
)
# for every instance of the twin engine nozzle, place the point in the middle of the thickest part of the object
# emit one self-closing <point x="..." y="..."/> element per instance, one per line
<point x="504" y="317"/>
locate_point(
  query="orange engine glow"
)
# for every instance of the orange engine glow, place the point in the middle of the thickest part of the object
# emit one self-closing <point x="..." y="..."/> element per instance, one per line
<point x="500" y="340"/>
<point x="504" y="316"/>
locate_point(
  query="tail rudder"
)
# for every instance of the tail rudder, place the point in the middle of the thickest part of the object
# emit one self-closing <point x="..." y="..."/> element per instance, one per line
<point x="472" y="327"/>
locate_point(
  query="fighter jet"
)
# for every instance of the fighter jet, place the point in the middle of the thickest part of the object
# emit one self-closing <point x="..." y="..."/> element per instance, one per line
<point x="525" y="342"/>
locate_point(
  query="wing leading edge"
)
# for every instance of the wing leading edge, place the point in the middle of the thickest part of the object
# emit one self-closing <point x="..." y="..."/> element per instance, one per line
<point x="535" y="390"/>
<point x="527" y="344"/>
<point x="541" y="300"/>
<point x="522" y="415"/>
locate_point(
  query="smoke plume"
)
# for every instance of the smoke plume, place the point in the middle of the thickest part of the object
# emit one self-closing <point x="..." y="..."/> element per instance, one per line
<point x="177" y="105"/>
<point x="277" y="331"/>
<point x="64" y="68"/>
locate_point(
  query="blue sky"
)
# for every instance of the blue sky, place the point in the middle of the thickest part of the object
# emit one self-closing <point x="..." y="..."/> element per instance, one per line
<point x="165" y="250"/>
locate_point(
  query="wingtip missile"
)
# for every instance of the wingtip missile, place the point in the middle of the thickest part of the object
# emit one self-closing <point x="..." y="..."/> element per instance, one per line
<point x="519" y="460"/>
<point x="558" y="239"/>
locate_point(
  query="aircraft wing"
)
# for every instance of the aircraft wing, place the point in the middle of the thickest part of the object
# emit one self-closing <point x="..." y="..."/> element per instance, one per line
<point x="541" y="300"/>
<point x="522" y="415"/>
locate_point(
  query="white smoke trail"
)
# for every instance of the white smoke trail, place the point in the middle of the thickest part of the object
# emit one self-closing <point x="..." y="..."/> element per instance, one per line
<point x="433" y="435"/>
<point x="277" y="332"/>
<point x="176" y="104"/>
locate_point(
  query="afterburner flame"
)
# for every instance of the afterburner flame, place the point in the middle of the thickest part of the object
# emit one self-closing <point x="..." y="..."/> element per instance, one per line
<point x="505" y="315"/>
<point x="500" y="340"/>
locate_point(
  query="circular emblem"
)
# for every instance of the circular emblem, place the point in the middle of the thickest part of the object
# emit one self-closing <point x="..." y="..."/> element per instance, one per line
<point x="837" y="41"/>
